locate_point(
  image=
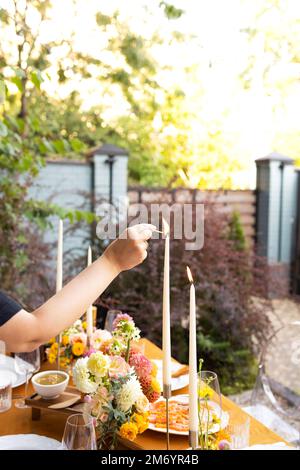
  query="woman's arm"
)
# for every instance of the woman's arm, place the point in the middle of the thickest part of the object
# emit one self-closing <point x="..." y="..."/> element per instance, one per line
<point x="26" y="331"/>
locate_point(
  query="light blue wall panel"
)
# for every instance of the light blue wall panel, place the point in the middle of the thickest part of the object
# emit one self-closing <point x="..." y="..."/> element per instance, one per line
<point x="288" y="213"/>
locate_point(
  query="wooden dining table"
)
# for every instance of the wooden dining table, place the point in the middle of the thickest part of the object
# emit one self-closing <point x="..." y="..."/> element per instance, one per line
<point x="51" y="423"/>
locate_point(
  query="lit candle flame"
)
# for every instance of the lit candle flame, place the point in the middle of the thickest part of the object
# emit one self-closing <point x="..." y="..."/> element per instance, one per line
<point x="166" y="228"/>
<point x="189" y="275"/>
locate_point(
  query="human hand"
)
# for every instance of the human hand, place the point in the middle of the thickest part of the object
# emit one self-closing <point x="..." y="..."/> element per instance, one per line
<point x="130" y="249"/>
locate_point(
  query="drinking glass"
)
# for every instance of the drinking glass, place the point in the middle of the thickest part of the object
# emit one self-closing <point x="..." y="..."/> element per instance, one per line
<point x="79" y="433"/>
<point x="239" y="430"/>
<point x="5" y="394"/>
<point x="26" y="363"/>
<point x="109" y="320"/>
<point x="209" y="406"/>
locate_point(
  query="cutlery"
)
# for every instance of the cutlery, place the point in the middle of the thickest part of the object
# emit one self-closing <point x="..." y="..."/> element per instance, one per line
<point x="65" y="404"/>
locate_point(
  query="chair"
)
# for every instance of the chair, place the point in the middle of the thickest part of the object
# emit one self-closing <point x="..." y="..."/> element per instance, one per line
<point x="276" y="395"/>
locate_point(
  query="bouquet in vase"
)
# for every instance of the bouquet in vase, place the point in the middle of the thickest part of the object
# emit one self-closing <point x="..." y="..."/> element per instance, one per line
<point x="120" y="383"/>
<point x="73" y="344"/>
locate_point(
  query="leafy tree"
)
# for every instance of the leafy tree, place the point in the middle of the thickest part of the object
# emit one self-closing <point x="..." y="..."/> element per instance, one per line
<point x="272" y="69"/>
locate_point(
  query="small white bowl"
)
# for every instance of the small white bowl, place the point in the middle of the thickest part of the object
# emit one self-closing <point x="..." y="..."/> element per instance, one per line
<point x="50" y="391"/>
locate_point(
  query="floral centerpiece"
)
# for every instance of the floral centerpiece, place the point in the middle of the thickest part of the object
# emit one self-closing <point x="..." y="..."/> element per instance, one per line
<point x="74" y="344"/>
<point x="119" y="382"/>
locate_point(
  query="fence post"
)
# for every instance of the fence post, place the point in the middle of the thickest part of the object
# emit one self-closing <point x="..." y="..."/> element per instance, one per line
<point x="276" y="185"/>
<point x="109" y="175"/>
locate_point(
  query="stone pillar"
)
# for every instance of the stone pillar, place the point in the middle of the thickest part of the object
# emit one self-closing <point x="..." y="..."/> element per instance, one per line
<point x="276" y="210"/>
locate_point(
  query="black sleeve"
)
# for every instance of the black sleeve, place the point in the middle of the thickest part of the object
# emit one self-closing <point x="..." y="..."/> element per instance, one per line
<point x="8" y="308"/>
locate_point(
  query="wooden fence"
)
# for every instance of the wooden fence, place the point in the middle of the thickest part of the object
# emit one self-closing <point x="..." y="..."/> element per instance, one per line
<point x="243" y="202"/>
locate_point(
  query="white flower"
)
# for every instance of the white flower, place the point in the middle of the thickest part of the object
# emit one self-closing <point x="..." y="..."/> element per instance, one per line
<point x="81" y="377"/>
<point x="142" y="404"/>
<point x="128" y="394"/>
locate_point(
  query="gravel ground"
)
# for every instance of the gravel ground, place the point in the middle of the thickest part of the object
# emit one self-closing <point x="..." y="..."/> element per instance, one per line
<point x="286" y="311"/>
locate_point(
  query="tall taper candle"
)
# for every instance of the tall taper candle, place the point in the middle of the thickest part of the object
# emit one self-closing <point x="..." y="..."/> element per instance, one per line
<point x="193" y="378"/>
<point x="166" y="333"/>
<point x="89" y="313"/>
<point x="59" y="259"/>
<point x="59" y="277"/>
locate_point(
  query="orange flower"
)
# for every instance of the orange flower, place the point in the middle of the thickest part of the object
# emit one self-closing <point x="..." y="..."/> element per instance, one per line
<point x="51" y="358"/>
<point x="155" y="385"/>
<point x="129" y="431"/>
<point x="65" y="340"/>
<point x="78" y="348"/>
<point x="154" y="369"/>
<point x="54" y="348"/>
<point x="222" y="435"/>
<point x="141" y="420"/>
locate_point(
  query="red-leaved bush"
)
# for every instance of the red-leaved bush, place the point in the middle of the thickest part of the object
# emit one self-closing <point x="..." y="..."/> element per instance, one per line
<point x="232" y="287"/>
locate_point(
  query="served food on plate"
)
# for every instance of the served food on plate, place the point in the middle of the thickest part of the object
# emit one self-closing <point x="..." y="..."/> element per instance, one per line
<point x="179" y="415"/>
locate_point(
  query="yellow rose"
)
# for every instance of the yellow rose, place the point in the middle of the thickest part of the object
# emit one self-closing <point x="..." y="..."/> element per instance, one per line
<point x="78" y="348"/>
<point x="65" y="340"/>
<point x="51" y="341"/>
<point x="129" y="431"/>
<point x="51" y="357"/>
<point x="141" y="421"/>
<point x="98" y="364"/>
<point x="155" y="385"/>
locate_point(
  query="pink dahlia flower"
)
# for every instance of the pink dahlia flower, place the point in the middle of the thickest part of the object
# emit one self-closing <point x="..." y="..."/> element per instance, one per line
<point x="142" y="365"/>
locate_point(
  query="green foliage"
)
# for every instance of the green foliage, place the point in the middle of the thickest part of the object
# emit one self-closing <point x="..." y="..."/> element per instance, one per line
<point x="236" y="232"/>
<point x="171" y="11"/>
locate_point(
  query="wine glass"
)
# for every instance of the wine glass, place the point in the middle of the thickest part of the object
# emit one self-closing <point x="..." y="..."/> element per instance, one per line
<point x="79" y="433"/>
<point x="5" y="394"/>
<point x="109" y="320"/>
<point x="239" y="430"/>
<point x="275" y="399"/>
<point x="26" y="363"/>
<point x="209" y="406"/>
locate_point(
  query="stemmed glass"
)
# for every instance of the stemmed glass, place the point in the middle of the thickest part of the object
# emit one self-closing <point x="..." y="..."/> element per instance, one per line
<point x="26" y="363"/>
<point x="79" y="433"/>
<point x="109" y="320"/>
<point x="210" y="406"/>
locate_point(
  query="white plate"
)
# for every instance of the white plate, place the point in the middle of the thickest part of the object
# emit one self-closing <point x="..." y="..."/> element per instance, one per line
<point x="8" y="371"/>
<point x="177" y="382"/>
<point x="28" y="442"/>
<point x="185" y="399"/>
